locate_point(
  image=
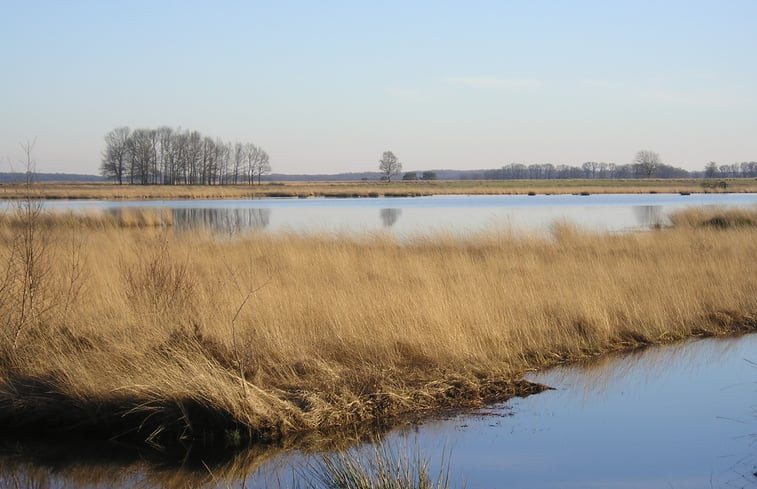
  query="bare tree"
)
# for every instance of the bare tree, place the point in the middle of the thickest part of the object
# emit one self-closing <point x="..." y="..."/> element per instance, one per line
<point x="262" y="164"/>
<point x="208" y="161"/>
<point x="115" y="154"/>
<point x="389" y="165"/>
<point x="239" y="157"/>
<point x="142" y="149"/>
<point x="711" y="170"/>
<point x="646" y="162"/>
<point x="251" y="154"/>
<point x="590" y="169"/>
<point x="167" y="156"/>
<point x="258" y="163"/>
<point x="222" y="162"/>
<point x="31" y="256"/>
<point x="181" y="149"/>
<point x="194" y="156"/>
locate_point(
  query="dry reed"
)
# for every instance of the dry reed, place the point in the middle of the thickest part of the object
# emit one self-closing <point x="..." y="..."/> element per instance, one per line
<point x="174" y="336"/>
<point x="379" y="466"/>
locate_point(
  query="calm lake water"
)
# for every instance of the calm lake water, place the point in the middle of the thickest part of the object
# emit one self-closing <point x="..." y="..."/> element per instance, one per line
<point x="407" y="216"/>
<point x="682" y="416"/>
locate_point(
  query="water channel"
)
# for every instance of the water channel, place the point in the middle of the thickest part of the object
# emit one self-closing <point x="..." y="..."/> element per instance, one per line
<point x="407" y="216"/>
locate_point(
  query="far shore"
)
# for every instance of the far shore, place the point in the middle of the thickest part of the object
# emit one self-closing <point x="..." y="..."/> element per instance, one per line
<point x="355" y="189"/>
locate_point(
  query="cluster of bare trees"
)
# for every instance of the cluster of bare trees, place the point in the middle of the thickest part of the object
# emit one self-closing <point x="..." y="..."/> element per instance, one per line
<point x="746" y="169"/>
<point x="174" y="157"/>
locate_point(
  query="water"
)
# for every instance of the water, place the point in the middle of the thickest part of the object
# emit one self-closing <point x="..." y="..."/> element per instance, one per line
<point x="681" y="416"/>
<point x="405" y="216"/>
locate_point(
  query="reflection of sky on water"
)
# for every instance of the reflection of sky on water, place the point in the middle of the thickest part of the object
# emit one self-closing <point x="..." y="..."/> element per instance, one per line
<point x="456" y="214"/>
<point x="678" y="416"/>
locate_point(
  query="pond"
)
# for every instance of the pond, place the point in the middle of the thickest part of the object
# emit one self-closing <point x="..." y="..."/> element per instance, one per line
<point x="405" y="216"/>
<point x="682" y="416"/>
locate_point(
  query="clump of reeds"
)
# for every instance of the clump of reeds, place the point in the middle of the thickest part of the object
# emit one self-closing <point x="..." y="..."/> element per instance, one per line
<point x="155" y="336"/>
<point x="379" y="466"/>
<point x="715" y="217"/>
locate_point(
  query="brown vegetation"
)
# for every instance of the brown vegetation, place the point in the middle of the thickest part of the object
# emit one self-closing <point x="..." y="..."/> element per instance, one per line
<point x="156" y="335"/>
<point x="377" y="189"/>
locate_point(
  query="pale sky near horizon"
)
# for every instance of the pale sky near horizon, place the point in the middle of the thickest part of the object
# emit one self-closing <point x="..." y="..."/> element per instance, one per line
<point x="327" y="86"/>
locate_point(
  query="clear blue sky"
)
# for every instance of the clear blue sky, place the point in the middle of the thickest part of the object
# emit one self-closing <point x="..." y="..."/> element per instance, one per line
<point x="327" y="86"/>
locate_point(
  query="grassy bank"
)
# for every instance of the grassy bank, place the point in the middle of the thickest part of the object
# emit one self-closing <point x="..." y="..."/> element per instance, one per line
<point x="155" y="335"/>
<point x="377" y="189"/>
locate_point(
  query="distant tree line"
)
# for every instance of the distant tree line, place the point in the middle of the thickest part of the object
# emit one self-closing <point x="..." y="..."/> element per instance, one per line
<point x="746" y="169"/>
<point x="168" y="156"/>
<point x="594" y="170"/>
<point x="590" y="170"/>
<point x="47" y="177"/>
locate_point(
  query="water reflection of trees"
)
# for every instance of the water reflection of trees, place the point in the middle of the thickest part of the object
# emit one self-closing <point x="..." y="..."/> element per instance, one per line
<point x="649" y="216"/>
<point x="389" y="216"/>
<point x="105" y="464"/>
<point x="226" y="220"/>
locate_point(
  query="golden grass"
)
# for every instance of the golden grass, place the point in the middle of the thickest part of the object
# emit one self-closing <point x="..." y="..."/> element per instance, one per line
<point x="372" y="189"/>
<point x="158" y="335"/>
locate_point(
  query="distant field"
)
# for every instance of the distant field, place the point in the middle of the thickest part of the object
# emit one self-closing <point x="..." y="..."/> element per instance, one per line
<point x="374" y="189"/>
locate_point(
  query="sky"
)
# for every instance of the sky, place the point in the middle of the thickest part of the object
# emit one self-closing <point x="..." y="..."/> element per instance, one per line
<point x="327" y="86"/>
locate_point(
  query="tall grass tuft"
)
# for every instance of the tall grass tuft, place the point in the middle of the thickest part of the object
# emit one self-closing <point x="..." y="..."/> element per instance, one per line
<point x="378" y="466"/>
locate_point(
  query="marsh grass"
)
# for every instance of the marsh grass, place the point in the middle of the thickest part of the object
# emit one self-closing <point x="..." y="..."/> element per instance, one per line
<point x="177" y="337"/>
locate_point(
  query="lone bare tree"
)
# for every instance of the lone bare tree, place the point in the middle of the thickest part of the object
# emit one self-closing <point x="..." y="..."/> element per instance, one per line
<point x="389" y="165"/>
<point x="646" y="162"/>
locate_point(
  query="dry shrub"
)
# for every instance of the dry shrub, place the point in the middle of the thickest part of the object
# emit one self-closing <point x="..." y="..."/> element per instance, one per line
<point x="27" y="296"/>
<point x="158" y="282"/>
